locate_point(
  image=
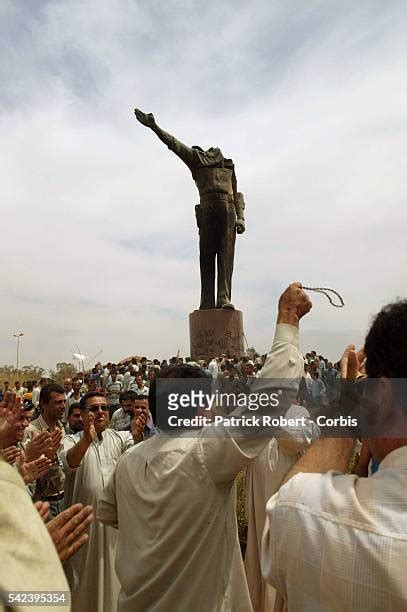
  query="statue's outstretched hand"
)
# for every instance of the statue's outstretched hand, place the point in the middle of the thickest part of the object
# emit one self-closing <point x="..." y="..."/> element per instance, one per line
<point x="146" y="119"/>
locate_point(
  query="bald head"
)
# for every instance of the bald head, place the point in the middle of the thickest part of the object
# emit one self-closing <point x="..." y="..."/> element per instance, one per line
<point x="68" y="385"/>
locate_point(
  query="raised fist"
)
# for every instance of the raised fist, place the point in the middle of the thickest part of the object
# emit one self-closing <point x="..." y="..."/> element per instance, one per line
<point x="240" y="226"/>
<point x="294" y="303"/>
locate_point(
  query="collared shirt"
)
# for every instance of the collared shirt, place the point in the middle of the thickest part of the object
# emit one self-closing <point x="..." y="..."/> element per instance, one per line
<point x="19" y="392"/>
<point x="126" y="380"/>
<point x="308" y="380"/>
<point x="69" y="431"/>
<point x="179" y="481"/>
<point x="330" y="374"/>
<point x="143" y="391"/>
<point x="53" y="482"/>
<point x="120" y="420"/>
<point x="113" y="390"/>
<point x="317" y="387"/>
<point x="338" y="542"/>
<point x="36" y="396"/>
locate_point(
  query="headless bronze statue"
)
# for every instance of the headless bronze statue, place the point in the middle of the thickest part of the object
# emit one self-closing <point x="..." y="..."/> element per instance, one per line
<point x="219" y="216"/>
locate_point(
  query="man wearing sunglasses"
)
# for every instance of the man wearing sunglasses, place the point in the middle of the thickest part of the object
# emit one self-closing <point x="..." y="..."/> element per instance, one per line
<point x="89" y="459"/>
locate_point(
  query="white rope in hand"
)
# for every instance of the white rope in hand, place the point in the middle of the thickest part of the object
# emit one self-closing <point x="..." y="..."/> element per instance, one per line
<point x="325" y="291"/>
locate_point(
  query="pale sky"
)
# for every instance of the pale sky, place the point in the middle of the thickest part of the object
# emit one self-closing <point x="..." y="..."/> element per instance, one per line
<point x="99" y="243"/>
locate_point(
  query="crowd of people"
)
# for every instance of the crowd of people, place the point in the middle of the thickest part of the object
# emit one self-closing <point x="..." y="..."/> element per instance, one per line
<point x="318" y="378"/>
<point x="131" y="518"/>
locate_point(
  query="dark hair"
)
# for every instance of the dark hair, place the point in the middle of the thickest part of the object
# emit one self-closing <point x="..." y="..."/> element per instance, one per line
<point x="46" y="390"/>
<point x="173" y="371"/>
<point x="127" y="395"/>
<point x="88" y="395"/>
<point x="73" y="407"/>
<point x="386" y="342"/>
<point x="141" y="397"/>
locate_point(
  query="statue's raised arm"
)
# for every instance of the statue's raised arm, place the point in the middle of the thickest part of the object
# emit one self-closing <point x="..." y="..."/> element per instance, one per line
<point x="179" y="148"/>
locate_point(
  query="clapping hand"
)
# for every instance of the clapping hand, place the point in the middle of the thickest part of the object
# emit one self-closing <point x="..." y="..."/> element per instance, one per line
<point x="89" y="431"/>
<point x="43" y="508"/>
<point x="137" y="426"/>
<point x="10" y="454"/>
<point x="67" y="529"/>
<point x="10" y="413"/>
<point x="33" y="469"/>
<point x="56" y="439"/>
<point x="40" y="444"/>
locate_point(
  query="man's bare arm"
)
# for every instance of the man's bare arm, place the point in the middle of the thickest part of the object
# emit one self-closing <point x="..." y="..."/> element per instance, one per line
<point x="330" y="453"/>
<point x="324" y="455"/>
<point x="176" y="146"/>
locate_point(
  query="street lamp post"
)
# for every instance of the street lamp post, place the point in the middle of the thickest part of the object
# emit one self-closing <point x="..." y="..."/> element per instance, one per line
<point x="18" y="336"/>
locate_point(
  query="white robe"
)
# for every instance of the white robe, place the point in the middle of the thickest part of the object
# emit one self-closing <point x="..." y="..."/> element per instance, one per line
<point x="263" y="478"/>
<point x="172" y="499"/>
<point x="29" y="560"/>
<point x="90" y="572"/>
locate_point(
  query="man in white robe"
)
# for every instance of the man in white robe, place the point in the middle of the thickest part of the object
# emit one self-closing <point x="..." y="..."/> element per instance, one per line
<point x="172" y="499"/>
<point x="263" y="478"/>
<point x="89" y="458"/>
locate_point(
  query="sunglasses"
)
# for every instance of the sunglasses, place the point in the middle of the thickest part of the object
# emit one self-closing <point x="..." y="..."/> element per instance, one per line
<point x="96" y="408"/>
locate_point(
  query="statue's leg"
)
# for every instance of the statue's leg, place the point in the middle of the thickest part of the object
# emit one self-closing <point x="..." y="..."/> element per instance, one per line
<point x="207" y="253"/>
<point x="226" y="253"/>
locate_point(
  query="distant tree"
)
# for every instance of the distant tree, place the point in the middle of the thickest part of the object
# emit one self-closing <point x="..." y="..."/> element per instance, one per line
<point x="27" y="372"/>
<point x="31" y="372"/>
<point x="63" y="370"/>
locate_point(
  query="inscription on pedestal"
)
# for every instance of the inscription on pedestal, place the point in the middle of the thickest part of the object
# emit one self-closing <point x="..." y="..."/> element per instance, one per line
<point x="215" y="332"/>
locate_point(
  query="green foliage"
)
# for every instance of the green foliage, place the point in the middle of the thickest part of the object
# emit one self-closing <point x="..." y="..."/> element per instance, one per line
<point x="31" y="372"/>
<point x="27" y="372"/>
<point x="63" y="370"/>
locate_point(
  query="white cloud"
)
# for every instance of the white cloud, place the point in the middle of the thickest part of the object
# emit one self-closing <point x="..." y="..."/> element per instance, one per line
<point x="99" y="238"/>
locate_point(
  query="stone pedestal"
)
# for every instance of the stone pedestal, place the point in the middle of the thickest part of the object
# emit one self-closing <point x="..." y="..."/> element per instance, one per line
<point x="215" y="332"/>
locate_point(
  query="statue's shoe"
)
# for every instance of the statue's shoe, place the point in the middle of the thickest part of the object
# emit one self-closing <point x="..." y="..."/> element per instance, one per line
<point x="228" y="305"/>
